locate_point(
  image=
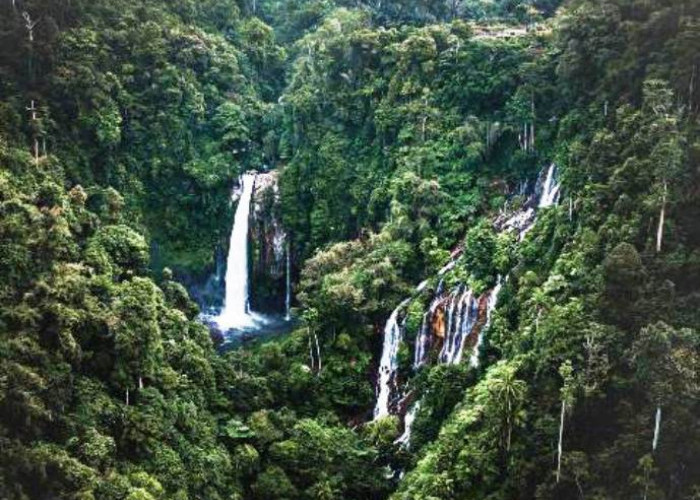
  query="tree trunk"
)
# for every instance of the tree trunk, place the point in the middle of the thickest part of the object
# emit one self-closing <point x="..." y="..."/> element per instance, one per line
<point x="691" y="89"/>
<point x="662" y="217"/>
<point x="561" y="438"/>
<point x="657" y="429"/>
<point x="532" y="124"/>
<point x="140" y="382"/>
<point x="654" y="443"/>
<point x="318" y="353"/>
<point x="571" y="209"/>
<point x="127" y="397"/>
<point x="311" y="351"/>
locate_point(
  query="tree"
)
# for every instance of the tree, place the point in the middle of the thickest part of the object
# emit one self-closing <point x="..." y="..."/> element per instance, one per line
<point x="567" y="399"/>
<point x="667" y="153"/>
<point x="137" y="338"/>
<point x="507" y="394"/>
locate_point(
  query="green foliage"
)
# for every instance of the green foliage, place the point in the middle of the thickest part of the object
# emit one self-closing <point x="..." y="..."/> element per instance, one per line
<point x="398" y="142"/>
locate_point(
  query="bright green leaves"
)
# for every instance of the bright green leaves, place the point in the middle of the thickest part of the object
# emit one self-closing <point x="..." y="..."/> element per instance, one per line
<point x="474" y="445"/>
<point x="117" y="249"/>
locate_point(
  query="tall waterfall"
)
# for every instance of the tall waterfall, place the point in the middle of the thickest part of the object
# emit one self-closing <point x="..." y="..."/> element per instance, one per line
<point x="388" y="363"/>
<point x="235" y="313"/>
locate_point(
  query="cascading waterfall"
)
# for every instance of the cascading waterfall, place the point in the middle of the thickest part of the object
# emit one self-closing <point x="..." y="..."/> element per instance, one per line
<point x="550" y="188"/>
<point x="468" y="323"/>
<point x="491" y="301"/>
<point x="461" y="317"/>
<point x="422" y="343"/>
<point x="405" y="438"/>
<point x="235" y="313"/>
<point x="387" y="366"/>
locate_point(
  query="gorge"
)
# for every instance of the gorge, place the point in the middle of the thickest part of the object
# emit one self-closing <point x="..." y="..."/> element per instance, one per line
<point x="322" y="249"/>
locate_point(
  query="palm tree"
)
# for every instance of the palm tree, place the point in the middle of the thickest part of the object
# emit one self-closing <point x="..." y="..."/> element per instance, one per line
<point x="507" y="394"/>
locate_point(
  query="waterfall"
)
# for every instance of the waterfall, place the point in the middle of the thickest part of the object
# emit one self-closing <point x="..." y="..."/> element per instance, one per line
<point x="468" y="322"/>
<point x="235" y="313"/>
<point x="422" y="340"/>
<point x="466" y="316"/>
<point x="405" y="438"/>
<point x="492" y="300"/>
<point x="288" y="287"/>
<point x="550" y="188"/>
<point x="424" y="337"/>
<point x="448" y="341"/>
<point x="388" y="363"/>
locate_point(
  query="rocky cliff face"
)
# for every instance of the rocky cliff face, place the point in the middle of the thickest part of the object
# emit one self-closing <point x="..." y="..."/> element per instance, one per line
<point x="269" y="247"/>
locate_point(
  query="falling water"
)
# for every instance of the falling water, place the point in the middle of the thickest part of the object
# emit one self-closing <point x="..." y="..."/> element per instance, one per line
<point x="467" y="323"/>
<point x="492" y="300"/>
<point x="452" y="310"/>
<point x="550" y="188"/>
<point x="422" y="340"/>
<point x="288" y="291"/>
<point x="388" y="363"/>
<point x="405" y="438"/>
<point x="235" y="313"/>
<point x="466" y="315"/>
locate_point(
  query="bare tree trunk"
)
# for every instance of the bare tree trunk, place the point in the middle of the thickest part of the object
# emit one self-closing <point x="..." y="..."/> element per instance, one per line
<point x="127" y="397"/>
<point x="561" y="438"/>
<point x="654" y="444"/>
<point x="318" y="353"/>
<point x="691" y="88"/>
<point x="532" y="124"/>
<point x="571" y="209"/>
<point x="140" y="382"/>
<point x="510" y="432"/>
<point x="29" y="25"/>
<point x="311" y="351"/>
<point x="488" y="135"/>
<point x="657" y="429"/>
<point x="33" y="117"/>
<point x="662" y="217"/>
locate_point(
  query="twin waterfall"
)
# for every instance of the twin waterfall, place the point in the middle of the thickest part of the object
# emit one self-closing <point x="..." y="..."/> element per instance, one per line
<point x="456" y="319"/>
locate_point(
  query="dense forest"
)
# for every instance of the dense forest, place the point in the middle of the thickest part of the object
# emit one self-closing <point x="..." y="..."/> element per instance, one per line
<point x="489" y="214"/>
